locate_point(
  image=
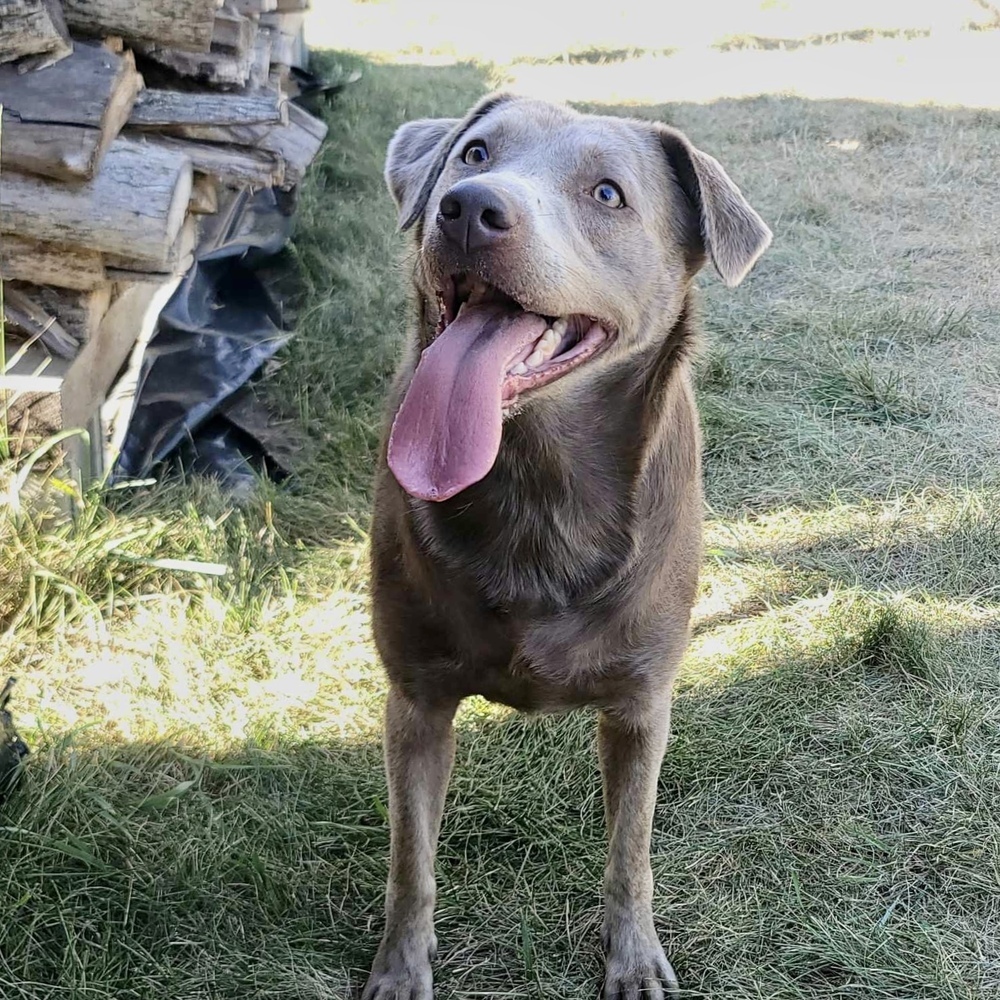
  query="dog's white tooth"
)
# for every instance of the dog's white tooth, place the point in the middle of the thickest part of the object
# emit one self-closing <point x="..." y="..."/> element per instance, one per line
<point x="519" y="369"/>
<point x="549" y="337"/>
<point x="535" y="358"/>
<point x="560" y="325"/>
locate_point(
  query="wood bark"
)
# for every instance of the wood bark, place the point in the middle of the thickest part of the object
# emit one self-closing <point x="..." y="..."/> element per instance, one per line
<point x="49" y="264"/>
<point x="162" y="109"/>
<point x="134" y="206"/>
<point x="183" y="24"/>
<point x="46" y="133"/>
<point x="35" y="29"/>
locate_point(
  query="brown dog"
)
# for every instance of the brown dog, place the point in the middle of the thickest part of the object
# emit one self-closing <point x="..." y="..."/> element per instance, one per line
<point x="536" y="534"/>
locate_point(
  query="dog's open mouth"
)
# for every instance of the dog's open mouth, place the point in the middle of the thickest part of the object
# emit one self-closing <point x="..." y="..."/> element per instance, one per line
<point x="564" y="344"/>
<point x="488" y="351"/>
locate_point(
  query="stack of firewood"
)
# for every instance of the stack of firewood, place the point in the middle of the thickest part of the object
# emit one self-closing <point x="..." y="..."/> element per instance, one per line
<point x="125" y="122"/>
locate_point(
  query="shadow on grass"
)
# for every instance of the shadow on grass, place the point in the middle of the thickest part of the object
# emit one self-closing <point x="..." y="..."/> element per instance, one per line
<point x="824" y="820"/>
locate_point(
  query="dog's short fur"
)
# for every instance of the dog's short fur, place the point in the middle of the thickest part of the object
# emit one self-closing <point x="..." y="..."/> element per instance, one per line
<point x="566" y="576"/>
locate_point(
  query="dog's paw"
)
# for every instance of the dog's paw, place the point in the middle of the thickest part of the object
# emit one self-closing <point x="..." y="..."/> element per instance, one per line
<point x="402" y="974"/>
<point x="637" y="969"/>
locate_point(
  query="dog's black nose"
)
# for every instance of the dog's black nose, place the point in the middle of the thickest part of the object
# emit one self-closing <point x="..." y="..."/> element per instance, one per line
<point x="472" y="215"/>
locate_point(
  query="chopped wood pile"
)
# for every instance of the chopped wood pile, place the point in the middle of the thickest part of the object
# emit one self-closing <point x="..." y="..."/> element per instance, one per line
<point x="125" y="123"/>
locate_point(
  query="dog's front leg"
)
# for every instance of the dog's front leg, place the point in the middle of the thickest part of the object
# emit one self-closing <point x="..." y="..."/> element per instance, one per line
<point x="631" y="742"/>
<point x="419" y="753"/>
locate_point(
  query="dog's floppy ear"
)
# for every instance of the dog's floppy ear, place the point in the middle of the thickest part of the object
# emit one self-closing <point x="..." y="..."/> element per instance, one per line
<point x="418" y="152"/>
<point x="732" y="233"/>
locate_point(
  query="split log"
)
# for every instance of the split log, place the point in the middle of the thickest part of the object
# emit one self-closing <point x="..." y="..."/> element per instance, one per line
<point x="182" y="24"/>
<point x="233" y="32"/>
<point x="226" y="64"/>
<point x="216" y="68"/>
<point x="46" y="263"/>
<point x="78" y="313"/>
<point x="251" y="7"/>
<point x="232" y="165"/>
<point x="161" y="109"/>
<point x="295" y="144"/>
<point x="33" y="28"/>
<point x="286" y="46"/>
<point x="26" y="318"/>
<point x="204" y="196"/>
<point x="260" y="63"/>
<point x="134" y="206"/>
<point x="279" y="78"/>
<point x="102" y="357"/>
<point x="45" y="132"/>
<point x="58" y="393"/>
<point x="177" y="260"/>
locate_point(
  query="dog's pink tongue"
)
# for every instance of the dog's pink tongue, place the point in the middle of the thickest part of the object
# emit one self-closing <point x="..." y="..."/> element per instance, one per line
<point x="446" y="434"/>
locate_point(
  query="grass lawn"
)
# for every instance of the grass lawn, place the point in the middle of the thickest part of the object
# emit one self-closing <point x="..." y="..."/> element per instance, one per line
<point x="203" y="815"/>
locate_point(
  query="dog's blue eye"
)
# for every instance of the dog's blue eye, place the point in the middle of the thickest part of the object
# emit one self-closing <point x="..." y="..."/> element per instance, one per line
<point x="475" y="153"/>
<point x="608" y="194"/>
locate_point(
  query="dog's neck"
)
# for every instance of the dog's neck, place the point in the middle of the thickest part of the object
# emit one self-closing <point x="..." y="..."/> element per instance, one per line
<point x="554" y="518"/>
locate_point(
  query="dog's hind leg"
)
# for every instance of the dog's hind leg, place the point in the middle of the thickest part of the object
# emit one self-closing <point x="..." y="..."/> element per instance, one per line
<point x="631" y="742"/>
<point x="419" y="753"/>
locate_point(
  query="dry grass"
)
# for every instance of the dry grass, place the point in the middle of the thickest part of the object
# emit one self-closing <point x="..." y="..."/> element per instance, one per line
<point x="204" y="813"/>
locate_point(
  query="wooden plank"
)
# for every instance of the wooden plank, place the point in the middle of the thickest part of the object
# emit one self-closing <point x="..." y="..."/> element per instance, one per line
<point x="48" y="264"/>
<point x="287" y="6"/>
<point x="35" y="29"/>
<point x="135" y="205"/>
<point x="184" y="24"/>
<point x="44" y="133"/>
<point x="158" y="109"/>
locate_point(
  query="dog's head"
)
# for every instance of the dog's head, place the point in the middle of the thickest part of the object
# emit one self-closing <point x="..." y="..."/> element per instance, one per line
<point x="549" y="245"/>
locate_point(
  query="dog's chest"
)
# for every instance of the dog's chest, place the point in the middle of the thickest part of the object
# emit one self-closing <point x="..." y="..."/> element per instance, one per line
<point x="528" y="542"/>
